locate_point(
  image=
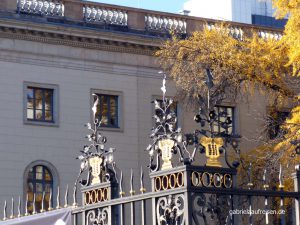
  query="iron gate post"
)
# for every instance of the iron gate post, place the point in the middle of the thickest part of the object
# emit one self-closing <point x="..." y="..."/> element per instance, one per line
<point x="296" y="177"/>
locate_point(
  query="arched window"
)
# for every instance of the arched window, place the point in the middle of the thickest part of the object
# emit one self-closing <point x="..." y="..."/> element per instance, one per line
<point x="39" y="181"/>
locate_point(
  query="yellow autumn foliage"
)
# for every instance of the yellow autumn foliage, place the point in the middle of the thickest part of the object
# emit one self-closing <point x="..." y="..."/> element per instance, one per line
<point x="234" y="63"/>
<point x="291" y="37"/>
<point x="242" y="65"/>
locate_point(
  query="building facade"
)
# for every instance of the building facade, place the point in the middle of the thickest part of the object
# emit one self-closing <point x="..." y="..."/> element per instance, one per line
<point x="55" y="55"/>
<point x="257" y="12"/>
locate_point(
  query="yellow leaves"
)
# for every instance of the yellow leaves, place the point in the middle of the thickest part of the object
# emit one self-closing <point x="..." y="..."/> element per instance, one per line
<point x="253" y="59"/>
<point x="291" y="38"/>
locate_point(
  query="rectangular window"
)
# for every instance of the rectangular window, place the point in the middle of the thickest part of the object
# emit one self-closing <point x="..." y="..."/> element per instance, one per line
<point x="108" y="110"/>
<point x="40" y="104"/>
<point x="224" y="123"/>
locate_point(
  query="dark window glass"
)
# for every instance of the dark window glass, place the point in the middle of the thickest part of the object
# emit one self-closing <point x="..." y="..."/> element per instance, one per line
<point x="40" y="104"/>
<point x="224" y="123"/>
<point x="107" y="110"/>
<point x="268" y="21"/>
<point x="39" y="181"/>
<point x="276" y="119"/>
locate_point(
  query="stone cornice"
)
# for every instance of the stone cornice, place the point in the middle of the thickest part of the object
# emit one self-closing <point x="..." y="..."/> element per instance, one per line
<point x="60" y="34"/>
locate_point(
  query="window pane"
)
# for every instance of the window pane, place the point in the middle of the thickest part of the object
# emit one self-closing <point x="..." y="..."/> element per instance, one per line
<point x="41" y="182"/>
<point x="39" y="104"/>
<point x="38" y="188"/>
<point x="48" y="99"/>
<point x="113" y="111"/>
<point x="38" y="93"/>
<point x="30" y="174"/>
<point x="47" y="175"/>
<point x="224" y="122"/>
<point x="38" y="114"/>
<point x="48" y="115"/>
<point x="29" y="103"/>
<point x="29" y="93"/>
<point x="47" y="188"/>
<point x="30" y="187"/>
<point x="39" y="173"/>
<point x="40" y="100"/>
<point x="107" y="110"/>
<point x="104" y="111"/>
<point x="29" y="113"/>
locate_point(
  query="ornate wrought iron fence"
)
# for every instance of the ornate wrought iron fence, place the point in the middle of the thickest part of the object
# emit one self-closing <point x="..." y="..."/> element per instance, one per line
<point x="184" y="195"/>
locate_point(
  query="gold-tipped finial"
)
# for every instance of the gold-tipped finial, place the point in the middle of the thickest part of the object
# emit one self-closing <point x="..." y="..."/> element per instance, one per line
<point x="281" y="185"/>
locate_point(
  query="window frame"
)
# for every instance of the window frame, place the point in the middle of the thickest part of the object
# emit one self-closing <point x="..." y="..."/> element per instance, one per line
<point x="119" y="95"/>
<point x="234" y="119"/>
<point x="54" y="108"/>
<point x="55" y="178"/>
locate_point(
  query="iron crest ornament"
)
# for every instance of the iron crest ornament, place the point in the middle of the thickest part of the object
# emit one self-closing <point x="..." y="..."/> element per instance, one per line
<point x="166" y="136"/>
<point x="96" y="159"/>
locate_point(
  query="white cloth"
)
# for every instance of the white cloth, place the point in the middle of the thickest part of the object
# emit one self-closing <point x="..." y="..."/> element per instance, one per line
<point x="55" y="217"/>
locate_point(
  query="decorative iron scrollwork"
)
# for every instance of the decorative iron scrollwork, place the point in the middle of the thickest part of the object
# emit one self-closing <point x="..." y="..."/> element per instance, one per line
<point x="169" y="181"/>
<point x="210" y="208"/>
<point x="207" y="179"/>
<point x="170" y="210"/>
<point x="96" y="196"/>
<point x="95" y="158"/>
<point x="167" y="139"/>
<point x="98" y="217"/>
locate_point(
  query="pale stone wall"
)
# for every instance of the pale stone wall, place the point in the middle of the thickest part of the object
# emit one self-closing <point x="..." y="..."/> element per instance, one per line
<point x="76" y="72"/>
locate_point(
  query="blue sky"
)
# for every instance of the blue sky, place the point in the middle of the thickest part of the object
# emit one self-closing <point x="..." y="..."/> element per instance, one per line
<point x="172" y="6"/>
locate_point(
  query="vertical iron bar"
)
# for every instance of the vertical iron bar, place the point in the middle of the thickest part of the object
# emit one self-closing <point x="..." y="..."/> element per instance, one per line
<point x="281" y="187"/>
<point x="4" y="211"/>
<point x="250" y="185"/>
<point x="232" y="208"/>
<point x="296" y="177"/>
<point x="143" y="212"/>
<point x="75" y="219"/>
<point x="66" y="196"/>
<point x="33" y="205"/>
<point x="57" y="199"/>
<point x="132" y="216"/>
<point x="132" y="192"/>
<point x="19" y="207"/>
<point x="266" y="186"/>
<point x="142" y="190"/>
<point x="250" y="210"/>
<point x="121" y="215"/>
<point x="282" y="215"/>
<point x="43" y="199"/>
<point x="266" y="208"/>
<point x="12" y="208"/>
<point x="26" y="205"/>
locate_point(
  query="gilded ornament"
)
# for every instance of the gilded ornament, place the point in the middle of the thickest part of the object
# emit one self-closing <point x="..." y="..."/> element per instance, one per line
<point x="212" y="150"/>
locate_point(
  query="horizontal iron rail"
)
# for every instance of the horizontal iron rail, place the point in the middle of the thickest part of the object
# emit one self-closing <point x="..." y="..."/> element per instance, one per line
<point x="204" y="190"/>
<point x="245" y="192"/>
<point x="129" y="199"/>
